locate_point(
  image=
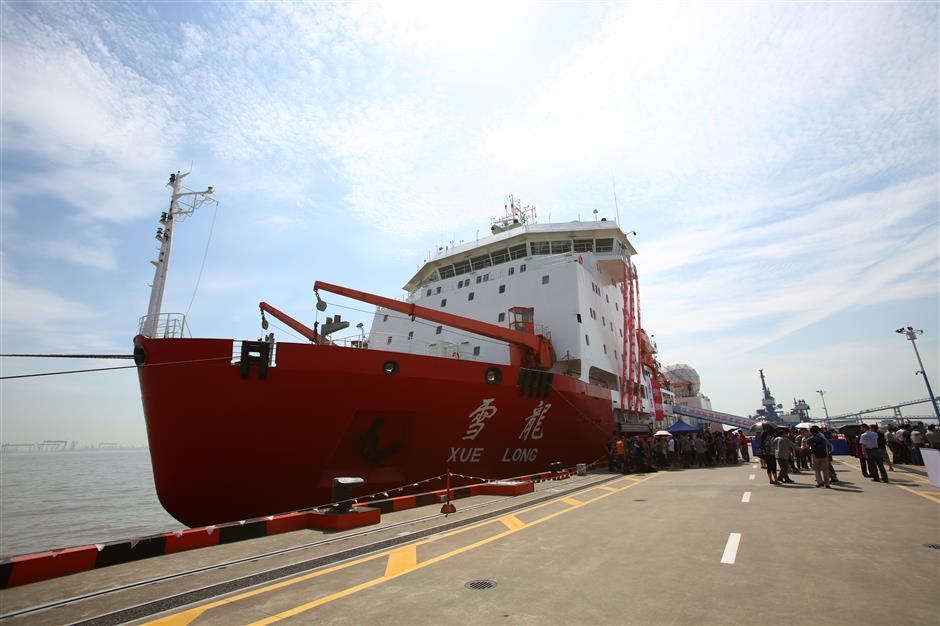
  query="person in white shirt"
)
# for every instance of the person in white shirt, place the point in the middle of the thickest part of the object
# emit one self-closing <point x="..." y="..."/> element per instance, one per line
<point x="872" y="450"/>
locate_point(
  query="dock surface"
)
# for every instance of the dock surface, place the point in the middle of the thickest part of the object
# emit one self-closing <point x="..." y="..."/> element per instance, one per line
<point x="700" y="546"/>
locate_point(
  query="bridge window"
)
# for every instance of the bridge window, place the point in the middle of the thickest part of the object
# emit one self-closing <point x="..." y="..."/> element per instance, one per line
<point x="584" y="245"/>
<point x="447" y="271"/>
<point x="604" y="245"/>
<point x="541" y="247"/>
<point x="461" y="267"/>
<point x="479" y="262"/>
<point x="500" y="256"/>
<point x="517" y="252"/>
<point x="558" y="247"/>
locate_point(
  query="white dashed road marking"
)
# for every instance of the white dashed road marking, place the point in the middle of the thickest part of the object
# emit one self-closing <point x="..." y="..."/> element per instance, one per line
<point x="746" y="497"/>
<point x="731" y="548"/>
<point x="751" y="477"/>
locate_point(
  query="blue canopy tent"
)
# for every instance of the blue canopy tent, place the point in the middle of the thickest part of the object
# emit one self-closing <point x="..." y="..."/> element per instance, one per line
<point x="682" y="427"/>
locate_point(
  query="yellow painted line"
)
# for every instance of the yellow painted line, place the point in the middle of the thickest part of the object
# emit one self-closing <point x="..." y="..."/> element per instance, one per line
<point x="609" y="488"/>
<point x="928" y="496"/>
<point x="512" y="522"/>
<point x="401" y="560"/>
<point x="916" y="478"/>
<point x="186" y="617"/>
<point x="572" y="501"/>
<point x="375" y="581"/>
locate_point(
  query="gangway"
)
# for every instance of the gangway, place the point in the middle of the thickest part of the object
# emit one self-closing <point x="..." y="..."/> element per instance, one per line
<point x="896" y="408"/>
<point x="715" y="416"/>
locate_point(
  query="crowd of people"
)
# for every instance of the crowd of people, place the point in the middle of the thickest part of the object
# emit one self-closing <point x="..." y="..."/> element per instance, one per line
<point x="904" y="442"/>
<point x="651" y="454"/>
<point x="779" y="449"/>
<point x="782" y="451"/>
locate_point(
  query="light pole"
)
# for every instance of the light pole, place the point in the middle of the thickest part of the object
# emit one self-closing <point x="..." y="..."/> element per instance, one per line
<point x="822" y="394"/>
<point x="911" y="334"/>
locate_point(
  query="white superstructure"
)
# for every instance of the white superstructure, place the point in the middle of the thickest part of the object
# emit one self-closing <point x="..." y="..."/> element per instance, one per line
<point x="571" y="274"/>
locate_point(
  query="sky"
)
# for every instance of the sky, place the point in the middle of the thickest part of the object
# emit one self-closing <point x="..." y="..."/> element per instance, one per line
<point x="778" y="161"/>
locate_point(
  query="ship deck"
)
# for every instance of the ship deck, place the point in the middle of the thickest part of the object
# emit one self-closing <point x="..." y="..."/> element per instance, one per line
<point x="699" y="546"/>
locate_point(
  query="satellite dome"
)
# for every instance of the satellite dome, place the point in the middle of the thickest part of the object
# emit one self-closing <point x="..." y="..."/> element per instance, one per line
<point x="683" y="379"/>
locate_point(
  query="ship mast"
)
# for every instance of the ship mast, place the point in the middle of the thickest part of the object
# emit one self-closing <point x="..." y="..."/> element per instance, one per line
<point x="179" y="210"/>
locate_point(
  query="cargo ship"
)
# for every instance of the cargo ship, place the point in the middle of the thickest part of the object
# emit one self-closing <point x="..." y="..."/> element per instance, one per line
<point x="510" y="353"/>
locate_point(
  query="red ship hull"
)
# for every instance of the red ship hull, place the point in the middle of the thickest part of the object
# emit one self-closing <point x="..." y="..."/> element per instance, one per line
<point x="228" y="446"/>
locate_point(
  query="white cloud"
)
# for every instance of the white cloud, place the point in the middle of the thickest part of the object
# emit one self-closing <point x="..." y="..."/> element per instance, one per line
<point x="95" y="128"/>
<point x="35" y="318"/>
<point x="85" y="248"/>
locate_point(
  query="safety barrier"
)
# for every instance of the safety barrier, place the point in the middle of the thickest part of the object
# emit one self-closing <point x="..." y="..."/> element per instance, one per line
<point x="28" y="568"/>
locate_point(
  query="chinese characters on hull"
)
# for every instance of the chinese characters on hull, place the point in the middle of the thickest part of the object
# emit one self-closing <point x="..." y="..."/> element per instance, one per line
<point x="532" y="430"/>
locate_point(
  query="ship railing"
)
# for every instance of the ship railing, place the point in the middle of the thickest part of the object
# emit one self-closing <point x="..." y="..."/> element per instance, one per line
<point x="163" y="326"/>
<point x="355" y="341"/>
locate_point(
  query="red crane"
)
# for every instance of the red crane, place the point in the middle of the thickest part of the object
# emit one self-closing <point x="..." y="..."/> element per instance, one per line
<point x="526" y="349"/>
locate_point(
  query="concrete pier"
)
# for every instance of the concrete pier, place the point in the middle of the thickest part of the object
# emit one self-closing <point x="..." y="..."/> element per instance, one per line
<point x="698" y="546"/>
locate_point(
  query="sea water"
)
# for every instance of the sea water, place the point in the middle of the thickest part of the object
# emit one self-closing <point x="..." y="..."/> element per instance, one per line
<point x="54" y="500"/>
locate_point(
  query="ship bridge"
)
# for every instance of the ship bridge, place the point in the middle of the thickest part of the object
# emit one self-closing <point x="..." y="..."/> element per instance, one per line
<point x="602" y="238"/>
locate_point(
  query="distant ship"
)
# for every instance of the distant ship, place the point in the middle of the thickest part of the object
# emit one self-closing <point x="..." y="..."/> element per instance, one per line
<point x="509" y="353"/>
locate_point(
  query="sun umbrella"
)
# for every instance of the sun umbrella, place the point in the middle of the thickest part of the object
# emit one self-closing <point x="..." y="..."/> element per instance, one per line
<point x="662" y="433"/>
<point x="805" y="425"/>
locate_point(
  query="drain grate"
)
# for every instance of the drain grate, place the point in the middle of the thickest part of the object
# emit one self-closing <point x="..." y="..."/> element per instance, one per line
<point x="935" y="546"/>
<point x="480" y="584"/>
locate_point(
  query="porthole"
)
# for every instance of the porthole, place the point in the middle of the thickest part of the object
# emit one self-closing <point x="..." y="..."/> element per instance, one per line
<point x="493" y="376"/>
<point x="390" y="368"/>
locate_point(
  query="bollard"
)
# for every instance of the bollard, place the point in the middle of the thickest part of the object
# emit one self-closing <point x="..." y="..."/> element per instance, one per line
<point x="343" y="493"/>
